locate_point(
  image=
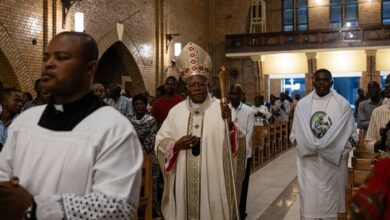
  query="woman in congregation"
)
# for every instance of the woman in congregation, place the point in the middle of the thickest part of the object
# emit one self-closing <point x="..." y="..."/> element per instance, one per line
<point x="146" y="127"/>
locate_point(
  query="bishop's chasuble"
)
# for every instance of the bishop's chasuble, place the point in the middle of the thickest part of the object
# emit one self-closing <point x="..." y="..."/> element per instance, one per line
<point x="197" y="185"/>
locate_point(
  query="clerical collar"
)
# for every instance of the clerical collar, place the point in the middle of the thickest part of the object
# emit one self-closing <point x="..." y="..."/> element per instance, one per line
<point x="64" y="117"/>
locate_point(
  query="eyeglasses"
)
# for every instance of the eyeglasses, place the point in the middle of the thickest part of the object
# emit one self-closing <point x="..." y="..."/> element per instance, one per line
<point x="198" y="85"/>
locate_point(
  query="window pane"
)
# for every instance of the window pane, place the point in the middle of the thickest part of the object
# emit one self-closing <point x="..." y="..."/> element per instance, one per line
<point x="351" y="12"/>
<point x="288" y="28"/>
<point x="288" y="16"/>
<point x="302" y="15"/>
<point x="335" y="14"/>
<point x="335" y="25"/>
<point x="302" y="3"/>
<point x="335" y="2"/>
<point x="302" y="27"/>
<point x="288" y="4"/>
<point x="386" y="12"/>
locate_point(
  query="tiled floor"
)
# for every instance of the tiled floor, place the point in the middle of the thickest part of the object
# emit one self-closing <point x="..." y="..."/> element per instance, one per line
<point x="268" y="183"/>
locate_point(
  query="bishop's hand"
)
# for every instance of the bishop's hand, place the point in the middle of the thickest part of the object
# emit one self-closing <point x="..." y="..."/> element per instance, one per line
<point x="227" y="114"/>
<point x="186" y="142"/>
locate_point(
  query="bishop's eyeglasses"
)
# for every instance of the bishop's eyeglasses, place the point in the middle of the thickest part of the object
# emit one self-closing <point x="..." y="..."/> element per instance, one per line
<point x="196" y="85"/>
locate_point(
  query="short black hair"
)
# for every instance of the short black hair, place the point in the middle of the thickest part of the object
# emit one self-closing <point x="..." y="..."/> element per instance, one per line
<point x="140" y="97"/>
<point x="236" y="86"/>
<point x="90" y="51"/>
<point x="7" y="92"/>
<point x="323" y="71"/>
<point x="29" y="96"/>
<point x="171" y="78"/>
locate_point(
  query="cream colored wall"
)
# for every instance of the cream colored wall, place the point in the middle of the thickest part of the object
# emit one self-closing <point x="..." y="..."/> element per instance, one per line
<point x="286" y="64"/>
<point x="342" y="61"/>
<point x="383" y="60"/>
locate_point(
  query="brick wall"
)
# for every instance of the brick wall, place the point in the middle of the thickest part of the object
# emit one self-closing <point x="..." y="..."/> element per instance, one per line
<point x="369" y="12"/>
<point x="7" y="74"/>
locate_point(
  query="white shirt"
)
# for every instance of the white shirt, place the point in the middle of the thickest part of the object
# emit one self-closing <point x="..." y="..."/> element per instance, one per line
<point x="243" y="115"/>
<point x="263" y="110"/>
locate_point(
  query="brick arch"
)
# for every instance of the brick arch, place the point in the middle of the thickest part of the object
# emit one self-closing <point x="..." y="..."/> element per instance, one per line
<point x="129" y="57"/>
<point x="111" y="38"/>
<point x="16" y="60"/>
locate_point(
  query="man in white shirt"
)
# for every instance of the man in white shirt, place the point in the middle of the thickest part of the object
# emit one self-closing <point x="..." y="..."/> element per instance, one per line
<point x="379" y="119"/>
<point x="262" y="115"/>
<point x="243" y="115"/>
<point x="324" y="133"/>
<point x="76" y="157"/>
<point x="281" y="108"/>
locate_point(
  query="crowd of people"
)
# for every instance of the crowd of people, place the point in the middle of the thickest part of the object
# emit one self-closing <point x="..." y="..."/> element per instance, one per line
<point x="76" y="149"/>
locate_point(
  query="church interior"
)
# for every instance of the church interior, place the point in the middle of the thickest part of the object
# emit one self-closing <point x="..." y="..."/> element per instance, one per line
<point x="266" y="46"/>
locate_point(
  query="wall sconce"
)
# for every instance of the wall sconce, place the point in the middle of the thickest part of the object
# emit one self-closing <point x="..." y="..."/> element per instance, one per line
<point x="66" y="5"/>
<point x="177" y="49"/>
<point x="79" y="22"/>
<point x="168" y="38"/>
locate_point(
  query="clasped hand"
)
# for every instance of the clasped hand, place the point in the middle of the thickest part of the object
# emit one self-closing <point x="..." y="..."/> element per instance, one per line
<point x="14" y="200"/>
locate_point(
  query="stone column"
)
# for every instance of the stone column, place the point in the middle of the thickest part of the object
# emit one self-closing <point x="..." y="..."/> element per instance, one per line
<point x="371" y="74"/>
<point x="259" y="74"/>
<point x="311" y="67"/>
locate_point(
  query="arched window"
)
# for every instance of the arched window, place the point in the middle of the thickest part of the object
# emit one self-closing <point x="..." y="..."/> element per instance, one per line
<point x="386" y="12"/>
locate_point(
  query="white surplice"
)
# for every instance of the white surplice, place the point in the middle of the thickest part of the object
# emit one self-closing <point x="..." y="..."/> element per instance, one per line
<point x="198" y="187"/>
<point x="88" y="172"/>
<point x="322" y="162"/>
<point x="243" y="115"/>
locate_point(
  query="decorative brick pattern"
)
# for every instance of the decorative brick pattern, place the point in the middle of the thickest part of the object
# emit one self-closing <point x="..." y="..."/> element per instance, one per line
<point x="7" y="74"/>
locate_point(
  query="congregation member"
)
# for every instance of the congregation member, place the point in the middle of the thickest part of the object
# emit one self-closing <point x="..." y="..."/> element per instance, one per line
<point x="98" y="90"/>
<point x="361" y="98"/>
<point x="59" y="162"/>
<point x="12" y="103"/>
<point x="366" y="107"/>
<point x="146" y="127"/>
<point x="379" y="118"/>
<point x="191" y="148"/>
<point x="167" y="101"/>
<point x="41" y="99"/>
<point x="324" y="133"/>
<point x="371" y="201"/>
<point x="281" y="108"/>
<point x="27" y="97"/>
<point x="119" y="101"/>
<point x="243" y="116"/>
<point x="262" y="115"/>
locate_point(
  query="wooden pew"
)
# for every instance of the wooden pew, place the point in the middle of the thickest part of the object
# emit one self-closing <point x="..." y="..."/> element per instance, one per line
<point x="362" y="163"/>
<point x="285" y="138"/>
<point x="363" y="154"/>
<point x="359" y="177"/>
<point x="146" y="197"/>
<point x="260" y="144"/>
